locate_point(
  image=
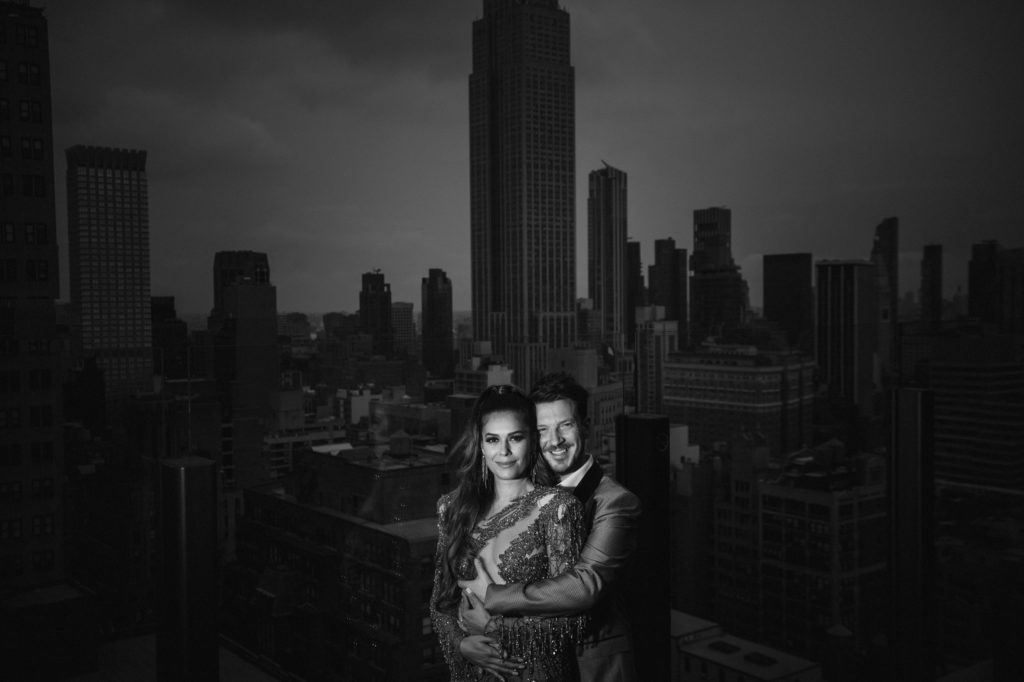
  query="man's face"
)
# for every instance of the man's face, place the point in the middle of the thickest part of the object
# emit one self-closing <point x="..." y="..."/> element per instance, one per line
<point x="561" y="436"/>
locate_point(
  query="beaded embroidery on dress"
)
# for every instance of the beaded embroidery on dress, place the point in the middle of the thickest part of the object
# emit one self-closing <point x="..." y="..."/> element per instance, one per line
<point x="538" y="535"/>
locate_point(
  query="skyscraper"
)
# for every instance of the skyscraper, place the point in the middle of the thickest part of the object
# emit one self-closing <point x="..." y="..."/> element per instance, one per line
<point x="789" y="296"/>
<point x="636" y="292"/>
<point x="437" y="331"/>
<point x="247" y="364"/>
<point x="606" y="271"/>
<point x="522" y="182"/>
<point x="403" y="327"/>
<point x="31" y="451"/>
<point x="885" y="258"/>
<point x="108" y="255"/>
<point x="719" y="297"/>
<point x="667" y="281"/>
<point x="846" y="338"/>
<point x="375" y="312"/>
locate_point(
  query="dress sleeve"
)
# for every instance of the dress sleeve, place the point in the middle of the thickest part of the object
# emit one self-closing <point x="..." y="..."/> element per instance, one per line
<point x="445" y="621"/>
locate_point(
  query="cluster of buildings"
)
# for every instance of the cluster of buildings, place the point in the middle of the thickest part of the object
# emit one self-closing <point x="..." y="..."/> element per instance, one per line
<point x="819" y="458"/>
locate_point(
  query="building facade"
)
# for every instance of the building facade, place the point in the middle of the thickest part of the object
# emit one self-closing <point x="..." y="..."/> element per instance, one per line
<point x="724" y="393"/>
<point x="375" y="312"/>
<point x="438" y="328"/>
<point x="31" y="450"/>
<point x="789" y="297"/>
<point x="522" y="182"/>
<point x="108" y="256"/>
<point x="606" y="262"/>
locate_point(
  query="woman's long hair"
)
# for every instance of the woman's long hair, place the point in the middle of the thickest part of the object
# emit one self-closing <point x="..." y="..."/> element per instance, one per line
<point x="474" y="493"/>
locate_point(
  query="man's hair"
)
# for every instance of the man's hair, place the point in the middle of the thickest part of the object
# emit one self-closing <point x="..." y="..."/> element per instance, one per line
<point x="561" y="386"/>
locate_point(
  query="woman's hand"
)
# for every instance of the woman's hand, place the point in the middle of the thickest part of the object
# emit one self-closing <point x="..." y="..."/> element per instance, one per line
<point x="486" y="652"/>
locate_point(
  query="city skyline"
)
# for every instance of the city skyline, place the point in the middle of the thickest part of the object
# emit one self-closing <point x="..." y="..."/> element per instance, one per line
<point x="326" y="136"/>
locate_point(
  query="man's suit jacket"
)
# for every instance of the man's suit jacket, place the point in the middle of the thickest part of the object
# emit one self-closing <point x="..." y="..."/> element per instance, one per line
<point x="613" y="516"/>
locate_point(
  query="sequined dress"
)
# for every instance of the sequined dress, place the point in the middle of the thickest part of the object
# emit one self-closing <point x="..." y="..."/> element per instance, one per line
<point x="538" y="535"/>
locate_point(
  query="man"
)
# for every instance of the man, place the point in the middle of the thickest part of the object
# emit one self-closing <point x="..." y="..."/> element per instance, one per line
<point x="612" y="514"/>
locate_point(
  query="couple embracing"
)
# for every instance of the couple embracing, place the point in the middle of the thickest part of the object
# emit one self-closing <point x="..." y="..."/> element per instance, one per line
<point x="531" y="545"/>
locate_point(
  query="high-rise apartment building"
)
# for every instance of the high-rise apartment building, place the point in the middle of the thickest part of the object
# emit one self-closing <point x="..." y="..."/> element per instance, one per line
<point x="522" y="182"/>
<point x="606" y="266"/>
<point x="789" y="296"/>
<point x="719" y="296"/>
<point x="31" y="451"/>
<point x="438" y="328"/>
<point x="108" y="255"/>
<point x="667" y="282"/>
<point x="375" y="312"/>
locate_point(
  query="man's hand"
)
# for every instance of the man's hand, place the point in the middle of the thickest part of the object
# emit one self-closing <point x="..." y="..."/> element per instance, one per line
<point x="473" y="617"/>
<point x="486" y="653"/>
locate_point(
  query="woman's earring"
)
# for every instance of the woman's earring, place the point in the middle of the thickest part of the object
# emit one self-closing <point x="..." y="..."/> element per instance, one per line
<point x="483" y="471"/>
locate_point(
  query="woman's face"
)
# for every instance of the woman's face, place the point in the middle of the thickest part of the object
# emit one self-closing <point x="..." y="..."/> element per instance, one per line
<point x="505" y="441"/>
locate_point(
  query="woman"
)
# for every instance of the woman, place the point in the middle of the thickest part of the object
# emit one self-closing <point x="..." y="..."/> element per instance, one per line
<point x="505" y="515"/>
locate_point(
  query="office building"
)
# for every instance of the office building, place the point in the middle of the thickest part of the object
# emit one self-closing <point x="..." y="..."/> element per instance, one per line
<point x="375" y="312"/>
<point x="108" y="255"/>
<point x="725" y="393"/>
<point x="846" y="335"/>
<point x="996" y="286"/>
<point x="33" y="489"/>
<point x="404" y="328"/>
<point x="823" y="554"/>
<point x="719" y="296"/>
<point x="667" y="283"/>
<point x="438" y="329"/>
<point x="522" y="182"/>
<point x="31" y="452"/>
<point x="246" y="368"/>
<point x="789" y="297"/>
<point x="656" y="339"/>
<point x="336" y="566"/>
<point x="636" y="290"/>
<point x="606" y="263"/>
<point x="885" y="259"/>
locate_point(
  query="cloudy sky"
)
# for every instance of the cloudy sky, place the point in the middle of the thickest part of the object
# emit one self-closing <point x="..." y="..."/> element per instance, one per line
<point x="333" y="135"/>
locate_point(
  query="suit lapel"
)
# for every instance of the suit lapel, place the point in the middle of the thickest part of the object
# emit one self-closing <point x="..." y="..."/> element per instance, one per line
<point x="588" y="485"/>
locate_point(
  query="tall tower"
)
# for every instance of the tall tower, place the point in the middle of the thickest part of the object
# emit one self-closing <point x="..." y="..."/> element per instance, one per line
<point x="522" y="145"/>
<point x="108" y="255"/>
<point x="719" y="296"/>
<point x="606" y="272"/>
<point x="846" y="333"/>
<point x="31" y="450"/>
<point x="789" y="296"/>
<point x="247" y="365"/>
<point x="438" y="333"/>
<point x="885" y="258"/>
<point x="375" y="312"/>
<point x="667" y="280"/>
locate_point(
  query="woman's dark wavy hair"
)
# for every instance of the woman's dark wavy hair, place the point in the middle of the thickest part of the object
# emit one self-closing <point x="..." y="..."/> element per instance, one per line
<point x="474" y="494"/>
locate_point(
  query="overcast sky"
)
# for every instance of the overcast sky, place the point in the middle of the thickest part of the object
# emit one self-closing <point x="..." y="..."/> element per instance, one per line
<point x="333" y="135"/>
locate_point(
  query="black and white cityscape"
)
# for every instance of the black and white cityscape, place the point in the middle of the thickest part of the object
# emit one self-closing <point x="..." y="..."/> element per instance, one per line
<point x="242" y="325"/>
